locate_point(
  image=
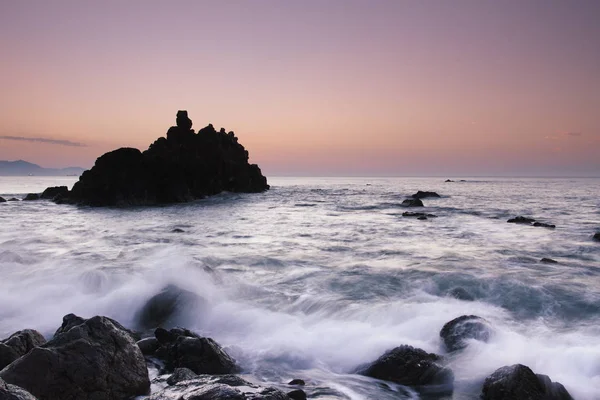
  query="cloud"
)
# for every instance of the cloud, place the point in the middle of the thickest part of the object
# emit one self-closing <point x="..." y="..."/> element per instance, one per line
<point x="59" y="142"/>
<point x="573" y="133"/>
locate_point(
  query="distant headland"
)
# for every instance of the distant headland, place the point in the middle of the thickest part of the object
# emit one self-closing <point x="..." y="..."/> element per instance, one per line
<point x="24" y="168"/>
<point x="182" y="167"/>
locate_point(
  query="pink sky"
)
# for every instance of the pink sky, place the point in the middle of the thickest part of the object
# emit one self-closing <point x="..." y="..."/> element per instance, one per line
<point x="311" y="87"/>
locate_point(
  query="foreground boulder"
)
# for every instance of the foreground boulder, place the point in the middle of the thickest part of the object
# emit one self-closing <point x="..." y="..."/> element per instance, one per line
<point x="168" y="308"/>
<point x="182" y="167"/>
<point x="518" y="382"/>
<point x="188" y="386"/>
<point x="457" y="332"/>
<point x="414" y="367"/>
<point x="51" y="192"/>
<point x="12" y="392"/>
<point x="423" y="195"/>
<point x="412" y="203"/>
<point x="181" y="348"/>
<point x="18" y="344"/>
<point x="93" y="360"/>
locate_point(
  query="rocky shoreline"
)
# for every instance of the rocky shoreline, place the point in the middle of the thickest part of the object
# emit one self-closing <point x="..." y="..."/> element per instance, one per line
<point x="98" y="358"/>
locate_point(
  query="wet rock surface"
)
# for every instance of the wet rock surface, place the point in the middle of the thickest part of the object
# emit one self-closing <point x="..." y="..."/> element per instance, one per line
<point x="18" y="344"/>
<point x="518" y="382"/>
<point x="412" y="203"/>
<point x="413" y="367"/>
<point x="456" y="332"/>
<point x="92" y="359"/>
<point x="182" y="167"/>
<point x="12" y="392"/>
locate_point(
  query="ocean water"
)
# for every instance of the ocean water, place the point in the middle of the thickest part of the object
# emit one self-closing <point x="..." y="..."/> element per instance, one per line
<point x="319" y="275"/>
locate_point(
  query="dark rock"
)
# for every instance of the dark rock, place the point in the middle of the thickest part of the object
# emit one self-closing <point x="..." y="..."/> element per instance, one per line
<point x="182" y="167"/>
<point x="423" y="195"/>
<point x="410" y="366"/>
<point x="2" y="200"/>
<point x="297" y="394"/>
<point x="298" y="382"/>
<point x="148" y="346"/>
<point x="13" y="199"/>
<point x="32" y="196"/>
<point x="521" y="220"/>
<point x="177" y="230"/>
<point x="72" y="320"/>
<point x="168" y="308"/>
<point x="12" y="392"/>
<point x="52" y="192"/>
<point x="422" y="218"/>
<point x="448" y="180"/>
<point x="180" y="375"/>
<point x="417" y="214"/>
<point x="18" y="344"/>
<point x="548" y="261"/>
<point x="456" y="332"/>
<point x="461" y="294"/>
<point x="518" y="382"/>
<point x="544" y="225"/>
<point x="181" y="348"/>
<point x="412" y="203"/>
<point x="94" y="357"/>
<point x="223" y="387"/>
<point x="596" y="236"/>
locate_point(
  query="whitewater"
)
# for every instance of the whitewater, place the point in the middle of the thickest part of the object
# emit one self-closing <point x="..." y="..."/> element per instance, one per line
<point x="320" y="275"/>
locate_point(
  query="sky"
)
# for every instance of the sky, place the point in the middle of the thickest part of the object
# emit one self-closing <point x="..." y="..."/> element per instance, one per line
<point x="327" y="87"/>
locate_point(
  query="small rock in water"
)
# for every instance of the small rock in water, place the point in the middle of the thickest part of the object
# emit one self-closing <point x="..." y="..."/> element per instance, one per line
<point x="417" y="214"/>
<point x="2" y="200"/>
<point x="548" y="261"/>
<point x="13" y="199"/>
<point x="596" y="236"/>
<point x="422" y="195"/>
<point x="298" y="382"/>
<point x="177" y="230"/>
<point x="32" y="196"/>
<point x="518" y="382"/>
<point x="461" y="294"/>
<point x="297" y="394"/>
<point x="168" y="307"/>
<point x="422" y="218"/>
<point x="412" y="203"/>
<point x="448" y="180"/>
<point x="456" y="332"/>
<point x="414" y="367"/>
<point x="52" y="192"/>
<point x="521" y="220"/>
<point x="544" y="225"/>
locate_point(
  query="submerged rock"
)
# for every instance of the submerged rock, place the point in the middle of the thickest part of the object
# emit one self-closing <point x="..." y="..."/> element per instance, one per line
<point x="18" y="344"/>
<point x="423" y="195"/>
<point x="32" y="196"/>
<point x="518" y="382"/>
<point x="52" y="192"/>
<point x="181" y="348"/>
<point x="412" y="203"/>
<point x="548" y="261"/>
<point x="448" y="180"/>
<point x="418" y="214"/>
<point x="12" y="392"/>
<point x="96" y="356"/>
<point x="521" y="220"/>
<point x="461" y="294"/>
<point x="544" y="225"/>
<point x="414" y="367"/>
<point x="182" y="167"/>
<point x="13" y="199"/>
<point x="456" y="332"/>
<point x="168" y="308"/>
<point x="596" y="236"/>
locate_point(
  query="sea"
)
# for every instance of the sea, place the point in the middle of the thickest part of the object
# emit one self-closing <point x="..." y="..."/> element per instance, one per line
<point x="318" y="276"/>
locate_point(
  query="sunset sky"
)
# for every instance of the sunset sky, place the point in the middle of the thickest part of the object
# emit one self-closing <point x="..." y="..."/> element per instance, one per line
<point x="322" y="87"/>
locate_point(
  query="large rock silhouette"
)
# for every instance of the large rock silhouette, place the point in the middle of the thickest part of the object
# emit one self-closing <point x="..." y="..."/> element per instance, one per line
<point x="182" y="167"/>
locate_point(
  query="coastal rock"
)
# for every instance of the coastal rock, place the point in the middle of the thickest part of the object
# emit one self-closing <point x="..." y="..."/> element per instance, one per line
<point x="52" y="192"/>
<point x="412" y="203"/>
<point x="423" y="195"/>
<point x="148" y="346"/>
<point x="544" y="225"/>
<point x="181" y="374"/>
<point x="181" y="348"/>
<point x="12" y="392"/>
<point x="93" y="357"/>
<point x="299" y="382"/>
<point x="32" y="196"/>
<point x="410" y="366"/>
<point x="297" y="394"/>
<point x="596" y="236"/>
<point x="456" y="332"/>
<point x="168" y="308"/>
<point x="521" y="220"/>
<point x="418" y="214"/>
<point x="548" y="261"/>
<point x="461" y="294"/>
<point x="221" y="387"/>
<point x="2" y="200"/>
<point x="518" y="382"/>
<point x="72" y="320"/>
<point x="18" y="344"/>
<point x="448" y="180"/>
<point x="182" y="167"/>
<point x="13" y="199"/>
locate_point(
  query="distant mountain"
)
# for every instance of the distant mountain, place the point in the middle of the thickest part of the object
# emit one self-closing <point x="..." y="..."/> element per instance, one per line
<point x="24" y="168"/>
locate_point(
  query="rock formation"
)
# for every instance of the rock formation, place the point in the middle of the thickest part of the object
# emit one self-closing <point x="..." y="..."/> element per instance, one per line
<point x="517" y="382"/>
<point x="423" y="195"/>
<point x="530" y="222"/>
<point x="456" y="332"/>
<point x="18" y="344"/>
<point x="182" y="167"/>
